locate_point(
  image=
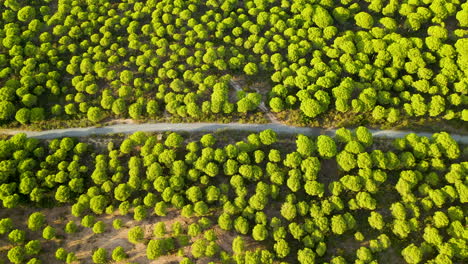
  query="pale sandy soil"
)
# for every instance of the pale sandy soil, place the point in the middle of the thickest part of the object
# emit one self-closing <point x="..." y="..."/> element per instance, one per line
<point x="84" y="242"/>
<point x="121" y="121"/>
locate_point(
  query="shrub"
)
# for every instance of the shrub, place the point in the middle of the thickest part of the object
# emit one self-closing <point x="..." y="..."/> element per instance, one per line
<point x="100" y="256"/>
<point x="136" y="235"/>
<point x="118" y="254"/>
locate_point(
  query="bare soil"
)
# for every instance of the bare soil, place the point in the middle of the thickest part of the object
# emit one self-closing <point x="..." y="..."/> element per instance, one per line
<point x="328" y="172"/>
<point x="84" y="242"/>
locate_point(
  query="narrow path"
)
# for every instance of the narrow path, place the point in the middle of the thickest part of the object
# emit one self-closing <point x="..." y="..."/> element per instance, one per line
<point x="208" y="127"/>
<point x="262" y="106"/>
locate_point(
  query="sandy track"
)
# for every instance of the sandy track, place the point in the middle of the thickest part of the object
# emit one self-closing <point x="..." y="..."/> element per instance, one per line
<point x="209" y="127"/>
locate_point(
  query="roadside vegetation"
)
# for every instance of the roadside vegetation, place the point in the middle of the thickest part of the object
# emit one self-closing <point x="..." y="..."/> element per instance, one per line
<point x="206" y="198"/>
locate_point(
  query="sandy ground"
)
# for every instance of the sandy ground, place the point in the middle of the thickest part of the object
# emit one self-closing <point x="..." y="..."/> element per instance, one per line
<point x="84" y="242"/>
